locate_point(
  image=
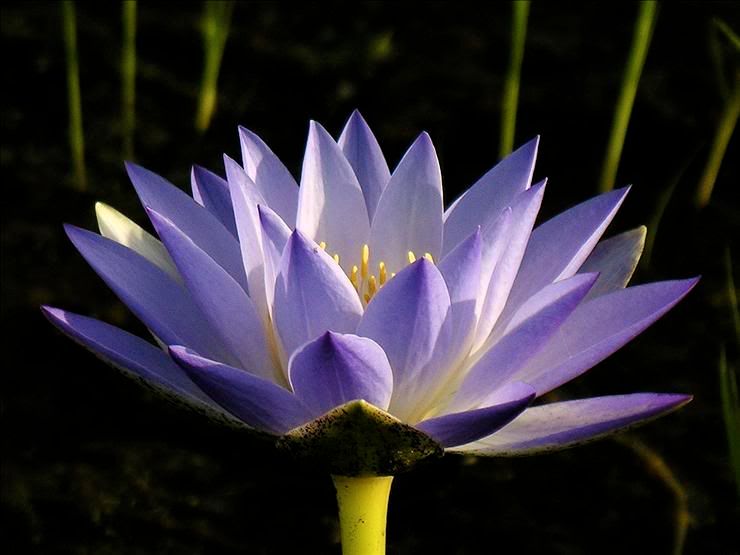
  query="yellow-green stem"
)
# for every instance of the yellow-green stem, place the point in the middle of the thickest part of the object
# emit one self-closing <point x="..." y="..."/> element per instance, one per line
<point x="520" y="12"/>
<point x="363" y="506"/>
<point x="128" y="77"/>
<point x="76" y="138"/>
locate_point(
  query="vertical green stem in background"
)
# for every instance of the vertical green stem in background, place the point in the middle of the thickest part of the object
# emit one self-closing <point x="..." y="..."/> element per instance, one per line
<point x="731" y="413"/>
<point x="215" y="28"/>
<point x="128" y="78"/>
<point x="76" y="138"/>
<point x="644" y="26"/>
<point x="363" y="506"/>
<point x="725" y="128"/>
<point x="520" y="12"/>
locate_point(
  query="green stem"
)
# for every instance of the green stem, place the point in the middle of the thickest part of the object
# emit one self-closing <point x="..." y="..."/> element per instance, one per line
<point x="520" y="12"/>
<point x="76" y="138"/>
<point x="363" y="506"/>
<point x="644" y="25"/>
<point x="128" y="77"/>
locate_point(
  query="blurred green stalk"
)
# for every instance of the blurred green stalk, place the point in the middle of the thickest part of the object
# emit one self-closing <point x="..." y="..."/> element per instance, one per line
<point x="732" y="295"/>
<point x="731" y="413"/>
<point x="215" y="29"/>
<point x="725" y="128"/>
<point x="128" y="78"/>
<point x="644" y="25"/>
<point x="520" y="12"/>
<point x="76" y="137"/>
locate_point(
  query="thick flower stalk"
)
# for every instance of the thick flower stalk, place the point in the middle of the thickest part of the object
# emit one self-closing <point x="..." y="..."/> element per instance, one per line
<point x="361" y="323"/>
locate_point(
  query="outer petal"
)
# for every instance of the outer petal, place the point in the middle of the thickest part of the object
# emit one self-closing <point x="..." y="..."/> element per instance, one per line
<point x="331" y="206"/>
<point x="493" y="192"/>
<point x="409" y="213"/>
<point x="335" y="369"/>
<point x="559" y="247"/>
<point x="212" y="192"/>
<point x="275" y="235"/>
<point x="407" y="319"/>
<point x="530" y="329"/>
<point x="615" y="259"/>
<point x="134" y="356"/>
<point x="463" y="427"/>
<point x="223" y="302"/>
<point x="560" y="425"/>
<point x="272" y="179"/>
<point x="162" y="304"/>
<point x="114" y="225"/>
<point x="363" y="152"/>
<point x="312" y="295"/>
<point x="599" y="327"/>
<point x="195" y="221"/>
<point x="257" y="402"/>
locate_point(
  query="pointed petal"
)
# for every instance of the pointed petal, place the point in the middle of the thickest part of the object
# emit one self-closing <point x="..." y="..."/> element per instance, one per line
<point x="196" y="222"/>
<point x="599" y="327"/>
<point x="559" y="247"/>
<point x="212" y="192"/>
<point x="409" y="213"/>
<point x="464" y="427"/>
<point x="162" y="304"/>
<point x="615" y="259"/>
<point x="363" y="152"/>
<point x="270" y="176"/>
<point x="117" y="227"/>
<point x="331" y="207"/>
<point x="335" y="369"/>
<point x="531" y="328"/>
<point x="560" y="425"/>
<point x="407" y="319"/>
<point x="275" y="235"/>
<point x="133" y="356"/>
<point x="255" y="401"/>
<point x="312" y="295"/>
<point x="493" y="192"/>
<point x="223" y="302"/>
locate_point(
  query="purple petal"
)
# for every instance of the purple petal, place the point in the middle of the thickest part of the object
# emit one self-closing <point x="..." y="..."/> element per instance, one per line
<point x="560" y="425"/>
<point x="212" y="192"/>
<point x="363" y="152"/>
<point x="335" y="369"/>
<point x="162" y="304"/>
<point x="331" y="207"/>
<point x="463" y="427"/>
<point x="275" y="235"/>
<point x="270" y="176"/>
<point x="615" y="259"/>
<point x="409" y="213"/>
<point x="599" y="327"/>
<point x="223" y="302"/>
<point x="255" y="401"/>
<point x="312" y="295"/>
<point x="406" y="318"/>
<point x="196" y="222"/>
<point x="134" y="356"/>
<point x="493" y="192"/>
<point x="530" y="329"/>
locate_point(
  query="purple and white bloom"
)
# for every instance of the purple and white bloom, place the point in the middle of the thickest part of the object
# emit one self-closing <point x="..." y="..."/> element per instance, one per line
<point x="273" y="304"/>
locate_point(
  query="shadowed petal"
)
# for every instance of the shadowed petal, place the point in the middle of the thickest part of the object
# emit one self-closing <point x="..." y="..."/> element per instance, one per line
<point x="599" y="327"/>
<point x="615" y="259"/>
<point x="331" y="207"/>
<point x="275" y="235"/>
<point x="363" y="152"/>
<point x="255" y="401"/>
<point x="312" y="295"/>
<point x="409" y="213"/>
<point x="212" y="192"/>
<point x="407" y="319"/>
<point x="114" y="225"/>
<point x="488" y="196"/>
<point x="463" y="427"/>
<point x="162" y="304"/>
<point x="270" y="176"/>
<point x="196" y="222"/>
<point x="560" y="425"/>
<point x="223" y="302"/>
<point x="335" y="369"/>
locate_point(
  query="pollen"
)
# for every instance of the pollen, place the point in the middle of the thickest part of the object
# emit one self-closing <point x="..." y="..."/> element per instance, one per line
<point x="411" y="257"/>
<point x="382" y="273"/>
<point x="365" y="261"/>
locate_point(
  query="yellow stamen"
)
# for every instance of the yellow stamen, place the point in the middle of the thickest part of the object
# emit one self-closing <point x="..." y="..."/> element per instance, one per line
<point x="336" y="258"/>
<point x="393" y="274"/>
<point x="322" y="245"/>
<point x="429" y="257"/>
<point x="372" y="286"/>
<point x="365" y="261"/>
<point x="382" y="273"/>
<point x="367" y="298"/>
<point x="411" y="257"/>
<point x="353" y="276"/>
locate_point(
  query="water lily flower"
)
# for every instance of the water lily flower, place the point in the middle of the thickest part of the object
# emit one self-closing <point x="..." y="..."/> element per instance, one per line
<point x="358" y="298"/>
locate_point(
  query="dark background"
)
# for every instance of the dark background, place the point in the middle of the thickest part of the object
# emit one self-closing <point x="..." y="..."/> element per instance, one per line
<point x="93" y="464"/>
